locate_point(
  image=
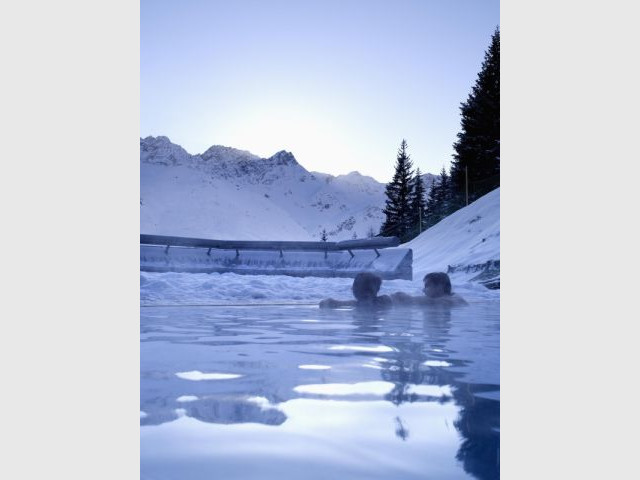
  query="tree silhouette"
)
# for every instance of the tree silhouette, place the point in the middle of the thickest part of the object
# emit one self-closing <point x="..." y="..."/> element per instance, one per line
<point x="477" y="150"/>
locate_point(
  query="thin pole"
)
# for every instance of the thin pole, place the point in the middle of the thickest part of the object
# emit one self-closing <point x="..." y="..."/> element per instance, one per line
<point x="466" y="185"/>
<point x="420" y="218"/>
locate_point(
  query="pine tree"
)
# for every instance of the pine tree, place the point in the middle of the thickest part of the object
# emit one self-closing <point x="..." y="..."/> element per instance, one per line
<point x="432" y="215"/>
<point x="478" y="146"/>
<point x="398" y="191"/>
<point x="418" y="204"/>
<point x="444" y="195"/>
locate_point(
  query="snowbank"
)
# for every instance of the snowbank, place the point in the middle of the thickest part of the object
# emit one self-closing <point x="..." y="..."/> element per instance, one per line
<point x="469" y="237"/>
<point x="230" y="288"/>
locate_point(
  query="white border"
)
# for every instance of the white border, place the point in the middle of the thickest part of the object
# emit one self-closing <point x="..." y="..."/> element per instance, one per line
<point x="69" y="196"/>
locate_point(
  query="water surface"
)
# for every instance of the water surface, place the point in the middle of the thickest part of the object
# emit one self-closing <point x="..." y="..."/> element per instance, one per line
<point x="296" y="392"/>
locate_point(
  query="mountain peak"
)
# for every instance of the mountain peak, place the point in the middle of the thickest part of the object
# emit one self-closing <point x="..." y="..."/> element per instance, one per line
<point x="159" y="139"/>
<point x="162" y="151"/>
<point x="284" y="158"/>
<point x="356" y="177"/>
<point x="221" y="153"/>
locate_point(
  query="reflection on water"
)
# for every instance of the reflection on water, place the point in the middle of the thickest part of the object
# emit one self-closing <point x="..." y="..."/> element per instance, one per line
<point x="197" y="376"/>
<point x="362" y="388"/>
<point x="253" y="392"/>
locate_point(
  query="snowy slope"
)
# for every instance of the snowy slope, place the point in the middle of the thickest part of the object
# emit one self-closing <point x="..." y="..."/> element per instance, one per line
<point x="227" y="193"/>
<point x="180" y="201"/>
<point x="467" y="239"/>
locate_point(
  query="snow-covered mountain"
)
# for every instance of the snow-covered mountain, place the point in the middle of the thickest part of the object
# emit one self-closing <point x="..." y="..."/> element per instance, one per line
<point x="427" y="181"/>
<point x="226" y="193"/>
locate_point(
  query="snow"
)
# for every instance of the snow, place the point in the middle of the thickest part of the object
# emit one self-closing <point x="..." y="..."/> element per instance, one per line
<point x="226" y="193"/>
<point x="470" y="236"/>
<point x="177" y="200"/>
<point x="389" y="263"/>
<point x="230" y="288"/>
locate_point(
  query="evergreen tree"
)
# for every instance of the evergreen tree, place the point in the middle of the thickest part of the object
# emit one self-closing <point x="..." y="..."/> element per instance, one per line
<point x="398" y="191"/>
<point x="444" y="196"/>
<point x="478" y="146"/>
<point x="432" y="215"/>
<point x="418" y="204"/>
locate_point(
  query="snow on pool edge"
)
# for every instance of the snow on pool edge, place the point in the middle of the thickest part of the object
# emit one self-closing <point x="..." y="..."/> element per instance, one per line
<point x="171" y="288"/>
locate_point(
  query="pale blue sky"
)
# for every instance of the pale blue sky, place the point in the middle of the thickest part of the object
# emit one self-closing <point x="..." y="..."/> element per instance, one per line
<point x="338" y="83"/>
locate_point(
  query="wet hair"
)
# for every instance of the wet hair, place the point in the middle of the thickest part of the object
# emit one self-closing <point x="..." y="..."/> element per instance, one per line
<point x="366" y="286"/>
<point x="438" y="279"/>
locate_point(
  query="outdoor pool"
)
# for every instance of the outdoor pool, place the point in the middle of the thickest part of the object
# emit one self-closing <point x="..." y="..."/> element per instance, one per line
<point x="295" y="392"/>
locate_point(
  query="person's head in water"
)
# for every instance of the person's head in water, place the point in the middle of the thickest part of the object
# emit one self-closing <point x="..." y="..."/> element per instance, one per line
<point x="366" y="286"/>
<point x="436" y="284"/>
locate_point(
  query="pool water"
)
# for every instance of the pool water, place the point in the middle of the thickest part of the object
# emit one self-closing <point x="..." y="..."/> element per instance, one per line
<point x="295" y="392"/>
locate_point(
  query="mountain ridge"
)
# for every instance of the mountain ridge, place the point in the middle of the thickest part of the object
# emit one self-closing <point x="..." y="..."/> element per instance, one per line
<point x="197" y="195"/>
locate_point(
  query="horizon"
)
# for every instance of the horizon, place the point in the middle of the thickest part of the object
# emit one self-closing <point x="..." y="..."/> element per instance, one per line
<point x="337" y="85"/>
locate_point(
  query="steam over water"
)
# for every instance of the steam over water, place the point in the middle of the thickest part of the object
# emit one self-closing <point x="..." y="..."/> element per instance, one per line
<point x="265" y="392"/>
